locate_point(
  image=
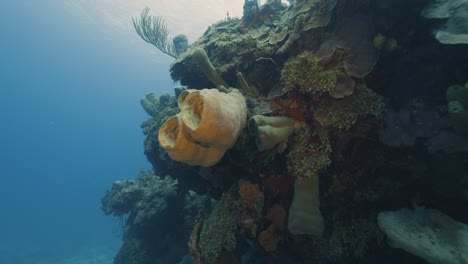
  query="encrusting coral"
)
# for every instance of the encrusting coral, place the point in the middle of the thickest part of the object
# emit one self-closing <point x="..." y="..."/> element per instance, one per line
<point x="209" y="123"/>
<point x="306" y="72"/>
<point x="343" y="113"/>
<point x="219" y="230"/>
<point x="310" y="153"/>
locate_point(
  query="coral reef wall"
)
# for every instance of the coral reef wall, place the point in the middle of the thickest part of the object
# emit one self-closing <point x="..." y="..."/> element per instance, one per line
<point x="350" y="112"/>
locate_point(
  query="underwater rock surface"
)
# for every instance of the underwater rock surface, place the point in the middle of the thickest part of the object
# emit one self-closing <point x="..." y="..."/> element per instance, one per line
<point x="427" y="233"/>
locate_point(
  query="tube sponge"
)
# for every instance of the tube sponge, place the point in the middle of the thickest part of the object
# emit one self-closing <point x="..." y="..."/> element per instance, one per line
<point x="304" y="214"/>
<point x="208" y="124"/>
<point x="150" y="103"/>
<point x="202" y="60"/>
<point x="271" y="131"/>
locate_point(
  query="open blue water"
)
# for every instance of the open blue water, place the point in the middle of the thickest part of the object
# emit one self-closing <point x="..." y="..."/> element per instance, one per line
<point x="70" y="125"/>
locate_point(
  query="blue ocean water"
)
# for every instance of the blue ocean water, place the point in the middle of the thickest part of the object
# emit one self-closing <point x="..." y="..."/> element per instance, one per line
<point x="70" y="125"/>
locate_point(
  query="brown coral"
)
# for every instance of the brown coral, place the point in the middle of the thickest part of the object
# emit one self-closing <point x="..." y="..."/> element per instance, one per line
<point x="250" y="193"/>
<point x="277" y="216"/>
<point x="269" y="238"/>
<point x="252" y="203"/>
<point x="194" y="239"/>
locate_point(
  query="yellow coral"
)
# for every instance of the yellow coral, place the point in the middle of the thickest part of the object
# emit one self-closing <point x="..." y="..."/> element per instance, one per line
<point x="305" y="72"/>
<point x="208" y="124"/>
<point x="310" y="154"/>
<point x="343" y="113"/>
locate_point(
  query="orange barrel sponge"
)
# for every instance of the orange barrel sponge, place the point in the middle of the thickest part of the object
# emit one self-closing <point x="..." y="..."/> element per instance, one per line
<point x="208" y="124"/>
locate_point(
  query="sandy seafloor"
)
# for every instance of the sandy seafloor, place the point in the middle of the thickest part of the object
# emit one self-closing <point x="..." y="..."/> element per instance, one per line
<point x="86" y="253"/>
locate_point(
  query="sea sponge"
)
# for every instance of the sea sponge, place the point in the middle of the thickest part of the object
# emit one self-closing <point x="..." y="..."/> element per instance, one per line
<point x="182" y="148"/>
<point x="304" y="214"/>
<point x="457" y="97"/>
<point x="379" y="41"/>
<point x="382" y="42"/>
<point x="201" y="59"/>
<point x="271" y="131"/>
<point x="150" y="104"/>
<point x="209" y="123"/>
